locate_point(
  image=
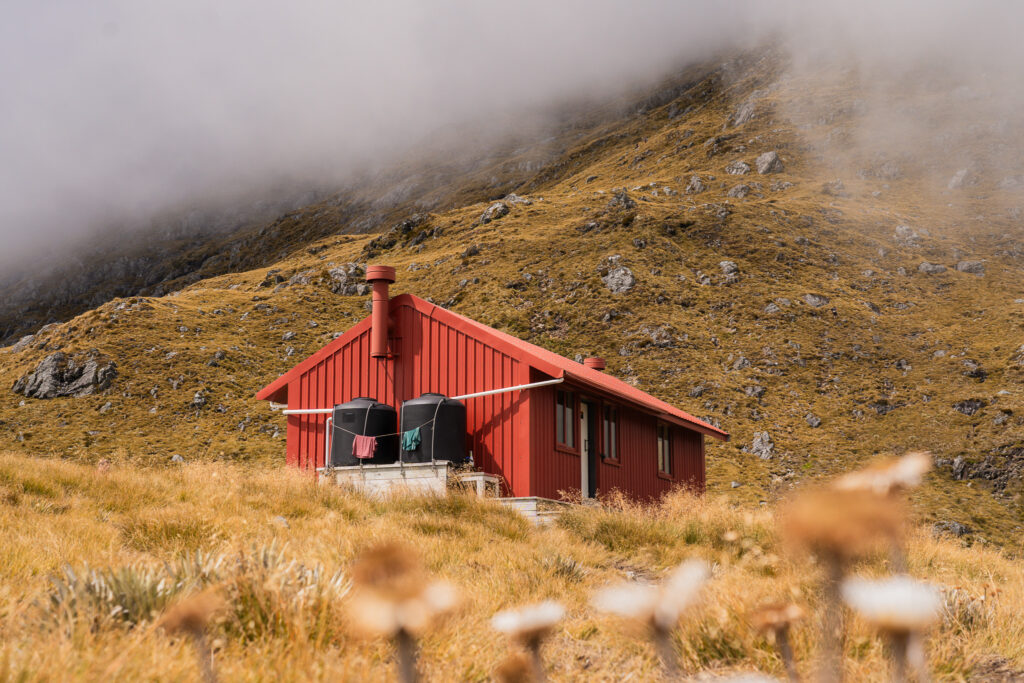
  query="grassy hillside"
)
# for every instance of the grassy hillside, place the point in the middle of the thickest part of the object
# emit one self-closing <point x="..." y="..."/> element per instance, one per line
<point x="826" y="317"/>
<point x="280" y="550"/>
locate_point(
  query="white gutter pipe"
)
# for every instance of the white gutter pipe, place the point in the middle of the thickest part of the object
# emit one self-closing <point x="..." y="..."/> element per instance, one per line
<point x="507" y="389"/>
<point x="492" y="392"/>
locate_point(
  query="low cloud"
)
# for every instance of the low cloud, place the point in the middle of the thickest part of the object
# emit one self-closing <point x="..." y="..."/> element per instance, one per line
<point x="115" y="110"/>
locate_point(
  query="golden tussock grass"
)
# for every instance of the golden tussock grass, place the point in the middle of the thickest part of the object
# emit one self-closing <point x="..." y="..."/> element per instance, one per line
<point x="86" y="583"/>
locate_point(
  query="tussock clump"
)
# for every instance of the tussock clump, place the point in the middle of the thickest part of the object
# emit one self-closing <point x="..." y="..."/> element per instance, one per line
<point x="267" y="594"/>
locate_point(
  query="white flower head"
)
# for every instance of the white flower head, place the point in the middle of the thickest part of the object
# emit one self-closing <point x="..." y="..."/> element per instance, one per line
<point x="899" y="603"/>
<point x="530" y="623"/>
<point x="630" y="600"/>
<point x="661" y="606"/>
<point x="377" y="614"/>
<point x="901" y="473"/>
<point x="680" y="592"/>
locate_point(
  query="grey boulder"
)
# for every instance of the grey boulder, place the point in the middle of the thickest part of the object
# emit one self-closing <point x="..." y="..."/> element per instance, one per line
<point x="769" y="162"/>
<point x="931" y="268"/>
<point x="973" y="267"/>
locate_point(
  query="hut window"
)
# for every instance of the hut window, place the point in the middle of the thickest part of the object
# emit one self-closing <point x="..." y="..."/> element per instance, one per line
<point x="565" y="418"/>
<point x="664" y="449"/>
<point x="610" y="433"/>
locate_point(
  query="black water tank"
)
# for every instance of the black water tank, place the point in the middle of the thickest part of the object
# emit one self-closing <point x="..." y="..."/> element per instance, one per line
<point x="442" y="423"/>
<point x="366" y="417"/>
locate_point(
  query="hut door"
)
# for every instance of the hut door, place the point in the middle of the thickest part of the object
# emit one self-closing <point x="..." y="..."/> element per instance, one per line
<point x="588" y="449"/>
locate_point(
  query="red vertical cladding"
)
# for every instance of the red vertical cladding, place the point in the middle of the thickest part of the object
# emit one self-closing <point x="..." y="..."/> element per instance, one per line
<point x="637" y="471"/>
<point x="637" y="474"/>
<point x="436" y="357"/>
<point x="553" y="469"/>
<point x="522" y="439"/>
<point x="293" y="456"/>
<point x="345" y="373"/>
<point x="688" y="457"/>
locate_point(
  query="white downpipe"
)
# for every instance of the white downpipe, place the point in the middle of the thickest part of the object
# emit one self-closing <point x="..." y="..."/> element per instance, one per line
<point x="328" y="436"/>
<point x="492" y="392"/>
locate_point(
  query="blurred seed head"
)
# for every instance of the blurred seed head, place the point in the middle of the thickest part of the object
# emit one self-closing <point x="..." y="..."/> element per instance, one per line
<point x="844" y="523"/>
<point x="390" y="569"/>
<point x="531" y="624"/>
<point x="897" y="604"/>
<point x="776" y="616"/>
<point x="392" y="593"/>
<point x="193" y="614"/>
<point x="888" y="476"/>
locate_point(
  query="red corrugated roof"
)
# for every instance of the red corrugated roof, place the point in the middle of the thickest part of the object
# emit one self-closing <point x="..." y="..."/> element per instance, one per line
<point x="543" y="360"/>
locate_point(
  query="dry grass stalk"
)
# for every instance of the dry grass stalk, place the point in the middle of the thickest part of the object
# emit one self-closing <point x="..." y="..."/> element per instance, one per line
<point x="516" y="668"/>
<point x="393" y="597"/>
<point x="777" y="619"/>
<point x="191" y="616"/>
<point x="529" y="626"/>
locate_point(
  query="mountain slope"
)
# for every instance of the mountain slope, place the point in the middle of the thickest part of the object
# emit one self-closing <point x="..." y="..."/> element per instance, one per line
<point x="827" y="290"/>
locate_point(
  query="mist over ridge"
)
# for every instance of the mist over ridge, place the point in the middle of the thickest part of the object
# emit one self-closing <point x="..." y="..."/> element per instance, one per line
<point x="117" y="111"/>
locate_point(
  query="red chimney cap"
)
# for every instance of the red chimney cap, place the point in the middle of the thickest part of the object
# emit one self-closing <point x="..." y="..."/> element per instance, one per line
<point x="595" y="363"/>
<point x="386" y="273"/>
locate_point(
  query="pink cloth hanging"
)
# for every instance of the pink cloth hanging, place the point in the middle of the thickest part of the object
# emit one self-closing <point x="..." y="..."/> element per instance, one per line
<point x="363" y="447"/>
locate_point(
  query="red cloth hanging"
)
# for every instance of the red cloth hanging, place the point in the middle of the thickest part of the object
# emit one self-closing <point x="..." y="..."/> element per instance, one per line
<point x="363" y="447"/>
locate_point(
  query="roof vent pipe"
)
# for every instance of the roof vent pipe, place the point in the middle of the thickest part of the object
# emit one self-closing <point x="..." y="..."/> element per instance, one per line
<point x="380" y="277"/>
<point x="594" y="363"/>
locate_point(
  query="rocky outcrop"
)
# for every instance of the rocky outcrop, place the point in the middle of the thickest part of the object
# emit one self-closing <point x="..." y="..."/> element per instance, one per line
<point x="61" y="375"/>
<point x="815" y="300"/>
<point x="696" y="185"/>
<point x="969" y="406"/>
<point x="621" y="200"/>
<point x="738" y="168"/>
<point x="762" y="446"/>
<point x="961" y="179"/>
<point x="494" y="212"/>
<point x="348" y="280"/>
<point x="619" y="280"/>
<point x="739" y="191"/>
<point x="906" y="236"/>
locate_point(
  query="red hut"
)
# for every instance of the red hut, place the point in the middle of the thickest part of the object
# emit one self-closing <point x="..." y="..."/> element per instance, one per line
<point x="542" y="422"/>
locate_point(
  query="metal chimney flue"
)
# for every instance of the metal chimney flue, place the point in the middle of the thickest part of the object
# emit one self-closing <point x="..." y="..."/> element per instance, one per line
<point x="380" y="277"/>
<point x="594" y="363"/>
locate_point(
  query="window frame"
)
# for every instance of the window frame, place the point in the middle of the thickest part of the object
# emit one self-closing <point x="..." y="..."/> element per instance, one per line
<point x="608" y="457"/>
<point x="666" y="459"/>
<point x="561" y="408"/>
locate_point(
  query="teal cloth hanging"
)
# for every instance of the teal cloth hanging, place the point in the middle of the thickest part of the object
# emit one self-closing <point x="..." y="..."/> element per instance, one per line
<point x="411" y="439"/>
